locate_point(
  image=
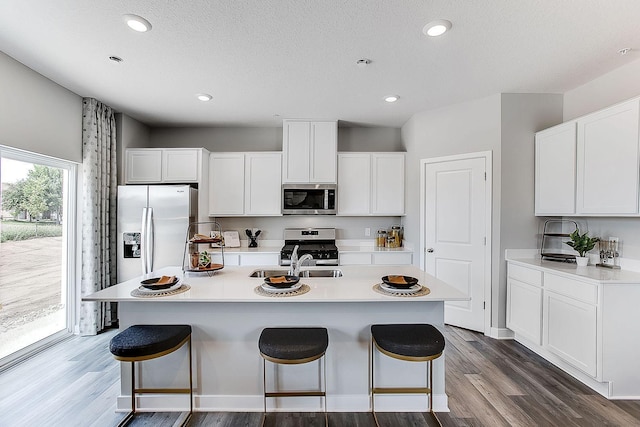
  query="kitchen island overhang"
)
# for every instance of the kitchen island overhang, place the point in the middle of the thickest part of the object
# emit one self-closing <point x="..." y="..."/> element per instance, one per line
<point x="227" y="316"/>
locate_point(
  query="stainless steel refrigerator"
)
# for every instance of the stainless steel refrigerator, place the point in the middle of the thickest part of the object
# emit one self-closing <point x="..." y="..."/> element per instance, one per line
<point x="152" y="227"/>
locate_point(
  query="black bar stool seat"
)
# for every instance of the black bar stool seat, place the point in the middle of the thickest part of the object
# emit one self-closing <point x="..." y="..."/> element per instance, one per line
<point x="293" y="345"/>
<point x="413" y="342"/>
<point x="290" y="346"/>
<point x="144" y="342"/>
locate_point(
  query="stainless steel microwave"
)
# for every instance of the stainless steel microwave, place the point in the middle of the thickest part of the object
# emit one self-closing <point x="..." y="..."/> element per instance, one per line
<point x="309" y="199"/>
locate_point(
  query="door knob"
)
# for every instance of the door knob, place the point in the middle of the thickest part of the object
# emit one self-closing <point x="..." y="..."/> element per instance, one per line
<point x="430" y="250"/>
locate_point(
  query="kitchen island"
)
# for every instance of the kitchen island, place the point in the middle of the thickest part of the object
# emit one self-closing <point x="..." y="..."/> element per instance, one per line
<point x="227" y="316"/>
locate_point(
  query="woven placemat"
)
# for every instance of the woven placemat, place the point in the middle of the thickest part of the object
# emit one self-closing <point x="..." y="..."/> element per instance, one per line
<point x="422" y="292"/>
<point x="301" y="290"/>
<point x="139" y="294"/>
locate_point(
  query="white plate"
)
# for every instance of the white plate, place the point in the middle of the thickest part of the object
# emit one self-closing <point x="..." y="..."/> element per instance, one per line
<point x="273" y="290"/>
<point x="144" y="290"/>
<point x="410" y="290"/>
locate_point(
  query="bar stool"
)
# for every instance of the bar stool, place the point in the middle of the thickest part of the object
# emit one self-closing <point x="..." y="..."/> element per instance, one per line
<point x="145" y="342"/>
<point x="409" y="342"/>
<point x="292" y="346"/>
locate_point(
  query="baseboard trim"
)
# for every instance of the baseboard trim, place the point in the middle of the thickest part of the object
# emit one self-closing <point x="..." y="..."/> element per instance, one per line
<point x="254" y="403"/>
<point x="501" y="333"/>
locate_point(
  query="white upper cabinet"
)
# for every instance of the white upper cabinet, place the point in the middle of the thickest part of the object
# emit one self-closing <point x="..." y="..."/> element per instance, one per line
<point x="607" y="167"/>
<point x="555" y="170"/>
<point x="180" y="165"/>
<point x="387" y="192"/>
<point x="263" y="192"/>
<point x="245" y="184"/>
<point x="163" y="166"/>
<point x="226" y="184"/>
<point x="354" y="184"/>
<point x="371" y="184"/>
<point x="309" y="149"/>
<point x="143" y="166"/>
<point x="589" y="166"/>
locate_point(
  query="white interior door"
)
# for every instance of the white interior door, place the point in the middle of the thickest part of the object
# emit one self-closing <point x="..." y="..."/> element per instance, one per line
<point x="456" y="231"/>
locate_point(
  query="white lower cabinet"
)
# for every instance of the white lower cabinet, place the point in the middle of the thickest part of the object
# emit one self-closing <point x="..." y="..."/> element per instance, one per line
<point x="578" y="320"/>
<point x="376" y="258"/>
<point x="245" y="258"/>
<point x="524" y="302"/>
<point x="570" y="331"/>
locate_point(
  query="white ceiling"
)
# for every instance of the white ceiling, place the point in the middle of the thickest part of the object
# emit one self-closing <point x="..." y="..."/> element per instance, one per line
<point x="297" y="58"/>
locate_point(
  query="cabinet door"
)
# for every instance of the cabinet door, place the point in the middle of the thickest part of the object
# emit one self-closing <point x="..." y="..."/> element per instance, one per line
<point x="570" y="331"/>
<point x="607" y="168"/>
<point x="180" y="165"/>
<point x="226" y="184"/>
<point x="323" y="151"/>
<point x="354" y="184"/>
<point x="263" y="192"/>
<point x="388" y="184"/>
<point x="555" y="170"/>
<point x="392" y="258"/>
<point x="524" y="310"/>
<point x="143" y="166"/>
<point x="296" y="137"/>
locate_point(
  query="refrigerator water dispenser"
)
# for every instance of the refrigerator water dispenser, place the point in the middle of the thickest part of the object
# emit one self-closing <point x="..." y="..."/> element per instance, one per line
<point x="131" y="242"/>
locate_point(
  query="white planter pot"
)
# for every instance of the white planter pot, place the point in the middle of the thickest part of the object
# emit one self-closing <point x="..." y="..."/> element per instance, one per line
<point x="582" y="261"/>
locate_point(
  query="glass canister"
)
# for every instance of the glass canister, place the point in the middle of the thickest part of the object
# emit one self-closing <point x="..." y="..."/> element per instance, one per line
<point x="397" y="233"/>
<point x="381" y="238"/>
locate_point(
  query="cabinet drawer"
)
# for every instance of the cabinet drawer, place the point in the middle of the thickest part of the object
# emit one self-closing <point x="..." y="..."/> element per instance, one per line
<point x="582" y="291"/>
<point x="259" y="259"/>
<point x="389" y="258"/>
<point x="524" y="274"/>
<point x="355" y="259"/>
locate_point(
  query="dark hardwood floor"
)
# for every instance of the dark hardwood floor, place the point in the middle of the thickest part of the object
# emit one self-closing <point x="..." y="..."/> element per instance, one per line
<point x="489" y="383"/>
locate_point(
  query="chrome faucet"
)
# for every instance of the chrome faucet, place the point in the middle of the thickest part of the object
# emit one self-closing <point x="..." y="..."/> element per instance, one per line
<point x="296" y="262"/>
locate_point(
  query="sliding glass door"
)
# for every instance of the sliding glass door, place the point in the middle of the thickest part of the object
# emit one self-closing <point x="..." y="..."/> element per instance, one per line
<point x="37" y="251"/>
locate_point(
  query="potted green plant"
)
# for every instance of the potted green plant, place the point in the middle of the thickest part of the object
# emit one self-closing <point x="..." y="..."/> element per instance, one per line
<point x="582" y="244"/>
<point x="205" y="259"/>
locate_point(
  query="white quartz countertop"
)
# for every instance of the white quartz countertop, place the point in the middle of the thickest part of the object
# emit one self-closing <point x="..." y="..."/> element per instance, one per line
<point x="590" y="273"/>
<point x="233" y="284"/>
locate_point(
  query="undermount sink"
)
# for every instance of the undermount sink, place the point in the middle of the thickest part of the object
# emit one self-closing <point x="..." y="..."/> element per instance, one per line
<point x="303" y="273"/>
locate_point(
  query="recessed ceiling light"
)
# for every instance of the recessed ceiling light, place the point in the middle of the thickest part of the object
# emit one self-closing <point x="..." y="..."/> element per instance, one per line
<point x="204" y="97"/>
<point x="624" y="51"/>
<point x="137" y="23"/>
<point x="436" y="28"/>
<point x="363" y="62"/>
<point x="115" y="58"/>
<point x="391" y="98"/>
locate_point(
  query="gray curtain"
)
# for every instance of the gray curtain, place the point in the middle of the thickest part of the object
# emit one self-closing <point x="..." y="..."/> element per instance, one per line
<point x="99" y="188"/>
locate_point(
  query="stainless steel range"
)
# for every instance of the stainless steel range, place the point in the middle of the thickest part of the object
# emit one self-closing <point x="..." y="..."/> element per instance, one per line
<point x="320" y="243"/>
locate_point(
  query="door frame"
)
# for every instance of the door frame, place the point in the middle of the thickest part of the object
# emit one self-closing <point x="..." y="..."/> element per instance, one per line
<point x="487" y="156"/>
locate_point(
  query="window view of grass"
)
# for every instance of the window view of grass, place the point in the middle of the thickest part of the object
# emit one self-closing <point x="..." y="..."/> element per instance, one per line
<point x="23" y="230"/>
<point x="32" y="295"/>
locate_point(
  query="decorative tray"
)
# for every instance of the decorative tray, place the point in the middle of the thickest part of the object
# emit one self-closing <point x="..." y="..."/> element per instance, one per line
<point x="212" y="267"/>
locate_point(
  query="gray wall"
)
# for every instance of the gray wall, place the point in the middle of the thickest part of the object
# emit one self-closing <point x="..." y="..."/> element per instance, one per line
<point x="346" y="227"/>
<point x="504" y="124"/>
<point x="270" y="138"/>
<point x="130" y="133"/>
<point x="616" y="86"/>
<point x="611" y="88"/>
<point x="521" y="116"/>
<point x="37" y="114"/>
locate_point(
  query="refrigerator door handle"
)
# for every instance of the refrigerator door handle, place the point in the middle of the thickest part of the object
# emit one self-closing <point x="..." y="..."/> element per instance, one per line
<point x="150" y="240"/>
<point x="144" y="247"/>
